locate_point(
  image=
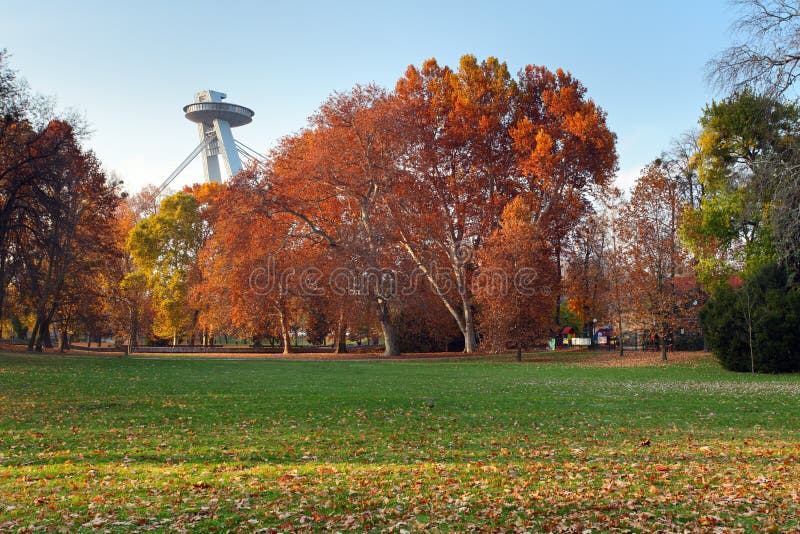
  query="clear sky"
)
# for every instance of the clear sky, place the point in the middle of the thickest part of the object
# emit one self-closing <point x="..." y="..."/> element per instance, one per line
<point x="129" y="67"/>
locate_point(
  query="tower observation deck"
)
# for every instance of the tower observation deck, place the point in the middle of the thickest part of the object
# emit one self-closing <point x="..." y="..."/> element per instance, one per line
<point x="214" y="119"/>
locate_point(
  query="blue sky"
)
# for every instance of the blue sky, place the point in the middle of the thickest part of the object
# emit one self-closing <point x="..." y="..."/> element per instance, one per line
<point x="129" y="67"/>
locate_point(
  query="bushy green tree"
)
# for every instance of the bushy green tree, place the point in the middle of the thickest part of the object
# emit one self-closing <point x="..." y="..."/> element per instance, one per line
<point x="743" y="139"/>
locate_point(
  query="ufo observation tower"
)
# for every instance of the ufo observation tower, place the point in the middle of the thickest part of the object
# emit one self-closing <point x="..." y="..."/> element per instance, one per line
<point x="214" y="119"/>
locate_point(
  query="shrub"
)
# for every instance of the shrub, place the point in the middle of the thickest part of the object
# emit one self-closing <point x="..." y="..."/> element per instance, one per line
<point x="688" y="341"/>
<point x="772" y="307"/>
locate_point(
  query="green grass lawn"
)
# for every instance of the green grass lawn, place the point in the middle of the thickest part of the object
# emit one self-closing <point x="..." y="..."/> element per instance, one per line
<point x="143" y="444"/>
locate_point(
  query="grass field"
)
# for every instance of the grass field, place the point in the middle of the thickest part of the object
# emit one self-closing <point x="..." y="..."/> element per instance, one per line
<point x="147" y="444"/>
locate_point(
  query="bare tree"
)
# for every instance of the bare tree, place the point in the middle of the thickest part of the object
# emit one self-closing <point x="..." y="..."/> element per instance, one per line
<point x="680" y="163"/>
<point x="765" y="56"/>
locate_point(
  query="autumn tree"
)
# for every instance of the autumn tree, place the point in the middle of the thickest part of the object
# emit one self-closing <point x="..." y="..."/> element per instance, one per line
<point x="333" y="178"/>
<point x="587" y="282"/>
<point x="515" y="281"/>
<point x="69" y="242"/>
<point x="651" y="221"/>
<point x="129" y="303"/>
<point x="564" y="151"/>
<point x="36" y="148"/>
<point x="252" y="264"/>
<point x="165" y="248"/>
<point x="82" y="307"/>
<point x="145" y="202"/>
<point x="55" y="208"/>
<point x="475" y="139"/>
<point x="456" y="175"/>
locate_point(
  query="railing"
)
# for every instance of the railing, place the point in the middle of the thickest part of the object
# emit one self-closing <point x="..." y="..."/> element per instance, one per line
<point x="218" y="106"/>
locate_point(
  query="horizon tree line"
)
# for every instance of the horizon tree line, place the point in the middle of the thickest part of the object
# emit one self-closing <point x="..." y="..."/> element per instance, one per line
<point x="450" y="177"/>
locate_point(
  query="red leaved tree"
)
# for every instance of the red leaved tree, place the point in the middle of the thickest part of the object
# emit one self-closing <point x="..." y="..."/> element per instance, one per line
<point x="474" y="138"/>
<point x="515" y="282"/>
<point x="333" y="179"/>
<point x="651" y="220"/>
<point x="564" y="151"/>
<point x="248" y="265"/>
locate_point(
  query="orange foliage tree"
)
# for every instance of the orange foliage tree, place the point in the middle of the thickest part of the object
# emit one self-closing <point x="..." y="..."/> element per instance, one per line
<point x="515" y="282"/>
<point x="333" y="179"/>
<point x="249" y="282"/>
<point x="564" y="152"/>
<point x="475" y="138"/>
<point x="456" y="173"/>
<point x="587" y="281"/>
<point x="650" y="228"/>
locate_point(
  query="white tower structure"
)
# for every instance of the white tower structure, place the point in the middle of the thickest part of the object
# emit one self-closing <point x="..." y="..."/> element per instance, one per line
<point x="214" y="119"/>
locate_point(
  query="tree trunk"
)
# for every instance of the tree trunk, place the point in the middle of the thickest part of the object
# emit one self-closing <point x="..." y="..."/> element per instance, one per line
<point x="41" y="328"/>
<point x="34" y="335"/>
<point x="286" y="336"/>
<point x="470" y="343"/>
<point x="340" y="342"/>
<point x="749" y="320"/>
<point x="47" y="341"/>
<point x="558" y="284"/>
<point x="129" y="345"/>
<point x="64" y="345"/>
<point x="43" y="339"/>
<point x="664" y="344"/>
<point x="287" y="341"/>
<point x="133" y="330"/>
<point x="3" y="261"/>
<point x="519" y="353"/>
<point x="390" y="340"/>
